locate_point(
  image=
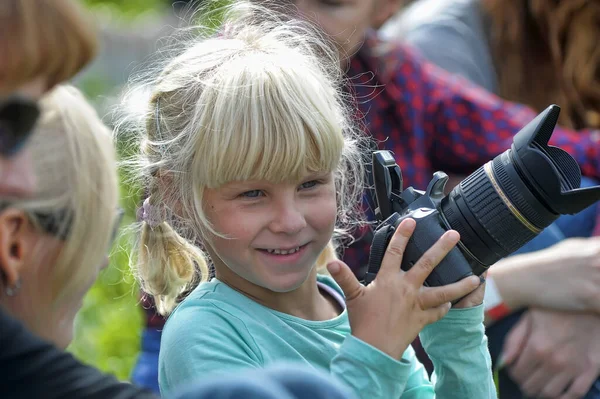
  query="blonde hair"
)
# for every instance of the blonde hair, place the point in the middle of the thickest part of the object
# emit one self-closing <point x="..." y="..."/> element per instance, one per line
<point x="49" y="38"/>
<point x="546" y="51"/>
<point x="77" y="190"/>
<point x="261" y="99"/>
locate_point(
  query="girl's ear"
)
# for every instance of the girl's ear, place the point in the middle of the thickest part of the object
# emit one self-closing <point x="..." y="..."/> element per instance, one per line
<point x="16" y="241"/>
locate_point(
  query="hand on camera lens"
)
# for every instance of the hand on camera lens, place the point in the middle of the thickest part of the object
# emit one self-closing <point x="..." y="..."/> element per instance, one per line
<point x="475" y="298"/>
<point x="391" y="311"/>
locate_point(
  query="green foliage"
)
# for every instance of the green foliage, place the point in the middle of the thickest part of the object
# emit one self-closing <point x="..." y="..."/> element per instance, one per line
<point x="108" y="327"/>
<point x="128" y="8"/>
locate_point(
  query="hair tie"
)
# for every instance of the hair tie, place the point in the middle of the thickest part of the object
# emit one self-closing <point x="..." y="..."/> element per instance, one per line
<point x="150" y="214"/>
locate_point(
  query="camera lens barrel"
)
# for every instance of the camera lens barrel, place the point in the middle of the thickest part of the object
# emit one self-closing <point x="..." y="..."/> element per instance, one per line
<point x="495" y="211"/>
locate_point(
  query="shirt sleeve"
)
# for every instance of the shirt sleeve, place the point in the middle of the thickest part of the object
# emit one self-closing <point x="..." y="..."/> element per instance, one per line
<point x="373" y="374"/>
<point x="34" y="368"/>
<point x="457" y="346"/>
<point x="218" y="345"/>
<point x="467" y="126"/>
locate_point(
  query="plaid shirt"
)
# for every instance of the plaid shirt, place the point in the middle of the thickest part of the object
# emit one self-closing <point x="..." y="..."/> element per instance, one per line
<point x="432" y="121"/>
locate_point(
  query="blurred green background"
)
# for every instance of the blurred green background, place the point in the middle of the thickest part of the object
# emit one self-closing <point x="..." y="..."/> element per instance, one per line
<point x="108" y="328"/>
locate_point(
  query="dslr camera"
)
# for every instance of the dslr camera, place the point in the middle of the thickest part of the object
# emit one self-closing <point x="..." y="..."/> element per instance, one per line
<point x="497" y="209"/>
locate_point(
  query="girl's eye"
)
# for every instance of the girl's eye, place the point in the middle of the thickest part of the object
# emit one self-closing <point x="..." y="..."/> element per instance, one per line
<point x="309" y="184"/>
<point x="252" y="194"/>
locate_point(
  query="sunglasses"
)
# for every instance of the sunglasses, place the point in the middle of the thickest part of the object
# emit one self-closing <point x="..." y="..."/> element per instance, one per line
<point x="59" y="224"/>
<point x="17" y="119"/>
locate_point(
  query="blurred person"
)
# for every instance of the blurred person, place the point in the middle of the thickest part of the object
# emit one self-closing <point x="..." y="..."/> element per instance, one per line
<point x="43" y="43"/>
<point x="532" y="52"/>
<point x="35" y="56"/>
<point x="63" y="230"/>
<point x="270" y="89"/>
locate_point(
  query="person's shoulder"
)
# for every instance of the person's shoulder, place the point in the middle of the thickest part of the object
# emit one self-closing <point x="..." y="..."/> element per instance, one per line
<point x="209" y="304"/>
<point x="327" y="280"/>
<point x="393" y="61"/>
<point x="422" y="13"/>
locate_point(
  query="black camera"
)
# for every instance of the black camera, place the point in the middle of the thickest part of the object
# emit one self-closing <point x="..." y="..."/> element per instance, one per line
<point x="497" y="209"/>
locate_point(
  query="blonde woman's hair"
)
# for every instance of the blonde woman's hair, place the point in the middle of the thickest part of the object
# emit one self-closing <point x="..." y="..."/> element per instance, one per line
<point x="50" y="38"/>
<point x="77" y="189"/>
<point x="546" y="51"/>
<point x="260" y="99"/>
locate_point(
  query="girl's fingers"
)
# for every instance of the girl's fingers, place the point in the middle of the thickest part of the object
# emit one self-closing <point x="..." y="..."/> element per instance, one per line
<point x="434" y="314"/>
<point x="432" y="257"/>
<point x="431" y="297"/>
<point x="395" y="250"/>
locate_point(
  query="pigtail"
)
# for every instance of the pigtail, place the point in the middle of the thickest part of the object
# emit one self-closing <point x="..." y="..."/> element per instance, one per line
<point x="168" y="265"/>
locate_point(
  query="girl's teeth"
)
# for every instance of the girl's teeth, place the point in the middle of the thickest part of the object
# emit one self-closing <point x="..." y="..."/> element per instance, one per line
<point x="283" y="252"/>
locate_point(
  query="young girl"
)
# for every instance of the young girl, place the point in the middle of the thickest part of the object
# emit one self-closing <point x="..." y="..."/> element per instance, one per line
<point x="248" y="152"/>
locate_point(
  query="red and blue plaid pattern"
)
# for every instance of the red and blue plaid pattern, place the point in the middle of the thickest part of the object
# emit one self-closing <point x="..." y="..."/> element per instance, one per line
<point x="433" y="120"/>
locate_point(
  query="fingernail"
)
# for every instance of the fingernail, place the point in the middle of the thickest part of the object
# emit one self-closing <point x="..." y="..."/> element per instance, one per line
<point x="481" y="279"/>
<point x="333" y="267"/>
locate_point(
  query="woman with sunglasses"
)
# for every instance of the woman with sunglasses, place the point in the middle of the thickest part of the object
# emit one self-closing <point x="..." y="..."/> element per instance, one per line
<point x="55" y="242"/>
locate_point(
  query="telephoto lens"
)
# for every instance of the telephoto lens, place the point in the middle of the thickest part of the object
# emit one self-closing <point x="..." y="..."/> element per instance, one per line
<point x="511" y="199"/>
<point x="497" y="209"/>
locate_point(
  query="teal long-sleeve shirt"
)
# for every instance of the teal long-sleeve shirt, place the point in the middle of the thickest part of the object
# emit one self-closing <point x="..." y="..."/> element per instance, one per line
<point x="218" y="330"/>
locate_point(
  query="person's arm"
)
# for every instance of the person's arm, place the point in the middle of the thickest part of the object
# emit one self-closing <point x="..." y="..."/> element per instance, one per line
<point x="457" y="346"/>
<point x="373" y="374"/>
<point x="468" y="126"/>
<point x="521" y="280"/>
<point x="222" y="345"/>
<point x="33" y="368"/>
<point x="550" y="353"/>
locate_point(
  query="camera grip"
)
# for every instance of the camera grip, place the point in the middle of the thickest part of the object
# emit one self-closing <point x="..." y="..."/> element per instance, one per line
<point x="454" y="267"/>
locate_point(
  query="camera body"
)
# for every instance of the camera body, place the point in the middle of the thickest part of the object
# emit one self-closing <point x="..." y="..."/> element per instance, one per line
<point x="497" y="209"/>
<point x="422" y="206"/>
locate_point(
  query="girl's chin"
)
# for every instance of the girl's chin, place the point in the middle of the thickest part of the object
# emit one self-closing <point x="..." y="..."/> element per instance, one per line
<point x="287" y="283"/>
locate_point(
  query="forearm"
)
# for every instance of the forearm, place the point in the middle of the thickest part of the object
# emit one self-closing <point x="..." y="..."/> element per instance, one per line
<point x="457" y="346"/>
<point x="516" y="279"/>
<point x="369" y="372"/>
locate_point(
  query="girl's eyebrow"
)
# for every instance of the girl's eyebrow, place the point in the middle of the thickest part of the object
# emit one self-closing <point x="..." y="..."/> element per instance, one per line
<point x="242" y="185"/>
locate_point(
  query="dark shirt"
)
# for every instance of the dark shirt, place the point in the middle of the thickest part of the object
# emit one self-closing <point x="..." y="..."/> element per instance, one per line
<point x="31" y="368"/>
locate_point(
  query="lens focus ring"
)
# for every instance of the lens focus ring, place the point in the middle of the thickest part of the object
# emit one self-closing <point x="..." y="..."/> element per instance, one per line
<point x="493" y="214"/>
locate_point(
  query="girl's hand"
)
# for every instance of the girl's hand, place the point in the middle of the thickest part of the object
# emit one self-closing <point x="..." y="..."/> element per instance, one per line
<point x="475" y="298"/>
<point x="391" y="311"/>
